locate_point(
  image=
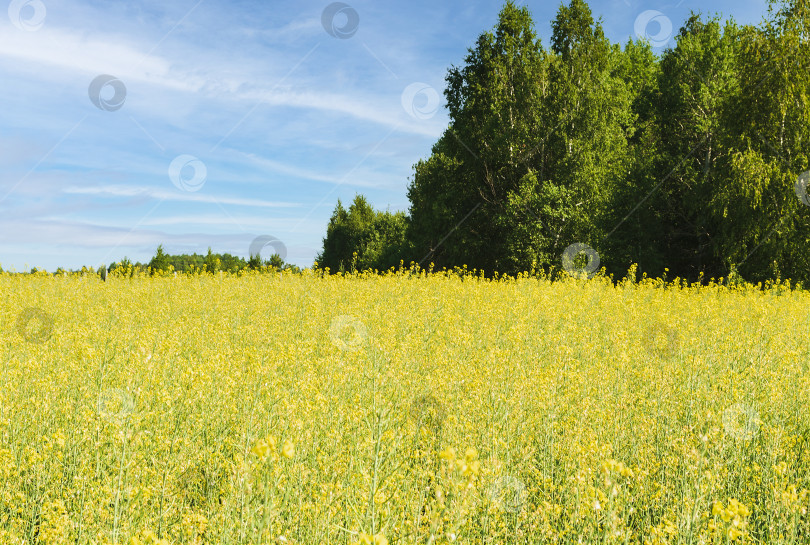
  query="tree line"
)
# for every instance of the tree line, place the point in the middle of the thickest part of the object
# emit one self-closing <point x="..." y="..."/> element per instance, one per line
<point x="691" y="163"/>
<point x="163" y="263"/>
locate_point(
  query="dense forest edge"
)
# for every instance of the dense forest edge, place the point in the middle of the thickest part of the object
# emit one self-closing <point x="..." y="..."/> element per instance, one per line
<point x="593" y="158"/>
<point x="692" y="164"/>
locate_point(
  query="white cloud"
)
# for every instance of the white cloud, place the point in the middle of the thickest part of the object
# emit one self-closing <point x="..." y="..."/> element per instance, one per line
<point x="358" y="178"/>
<point x="77" y="52"/>
<point x="133" y="191"/>
<point x="244" y="222"/>
<point x="195" y="73"/>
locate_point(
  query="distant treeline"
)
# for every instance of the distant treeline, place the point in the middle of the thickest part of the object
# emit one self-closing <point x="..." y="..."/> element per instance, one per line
<point x="694" y="162"/>
<point x="163" y="263"/>
<point x="211" y="262"/>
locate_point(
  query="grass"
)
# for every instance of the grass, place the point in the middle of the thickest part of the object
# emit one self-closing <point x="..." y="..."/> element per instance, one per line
<point x="400" y="409"/>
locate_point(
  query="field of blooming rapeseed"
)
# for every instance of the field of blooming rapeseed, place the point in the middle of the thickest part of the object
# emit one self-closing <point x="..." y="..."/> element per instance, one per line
<point x="273" y="408"/>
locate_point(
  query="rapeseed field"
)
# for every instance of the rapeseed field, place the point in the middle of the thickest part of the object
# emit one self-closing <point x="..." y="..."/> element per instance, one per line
<point x="401" y="409"/>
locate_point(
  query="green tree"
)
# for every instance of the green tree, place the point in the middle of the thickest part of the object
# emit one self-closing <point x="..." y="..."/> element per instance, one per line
<point x="538" y="141"/>
<point x="633" y="223"/>
<point x="584" y="153"/>
<point x="362" y="238"/>
<point x="688" y="162"/>
<point x="764" y="225"/>
<point x="275" y="262"/>
<point x="212" y="262"/>
<point x="698" y="79"/>
<point x="255" y="262"/>
<point x="160" y="261"/>
<point x="494" y="103"/>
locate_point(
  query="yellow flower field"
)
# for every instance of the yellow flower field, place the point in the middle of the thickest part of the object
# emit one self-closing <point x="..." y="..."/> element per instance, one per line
<point x="398" y="409"/>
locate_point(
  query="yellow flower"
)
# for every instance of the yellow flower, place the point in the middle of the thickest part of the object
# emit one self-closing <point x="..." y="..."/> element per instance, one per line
<point x="733" y="533"/>
<point x="288" y="450"/>
<point x="737" y="509"/>
<point x="263" y="446"/>
<point x="468" y="465"/>
<point x="367" y="539"/>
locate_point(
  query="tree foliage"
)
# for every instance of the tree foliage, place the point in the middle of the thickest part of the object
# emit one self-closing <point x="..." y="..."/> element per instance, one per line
<point x="686" y="161"/>
<point x="211" y="262"/>
<point x="361" y="238"/>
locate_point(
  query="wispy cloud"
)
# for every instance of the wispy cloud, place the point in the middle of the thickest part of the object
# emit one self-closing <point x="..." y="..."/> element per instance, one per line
<point x="286" y="118"/>
<point x="220" y="79"/>
<point x="131" y="191"/>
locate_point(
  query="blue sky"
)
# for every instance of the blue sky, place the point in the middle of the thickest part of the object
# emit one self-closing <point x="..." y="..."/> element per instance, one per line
<point x="224" y="121"/>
